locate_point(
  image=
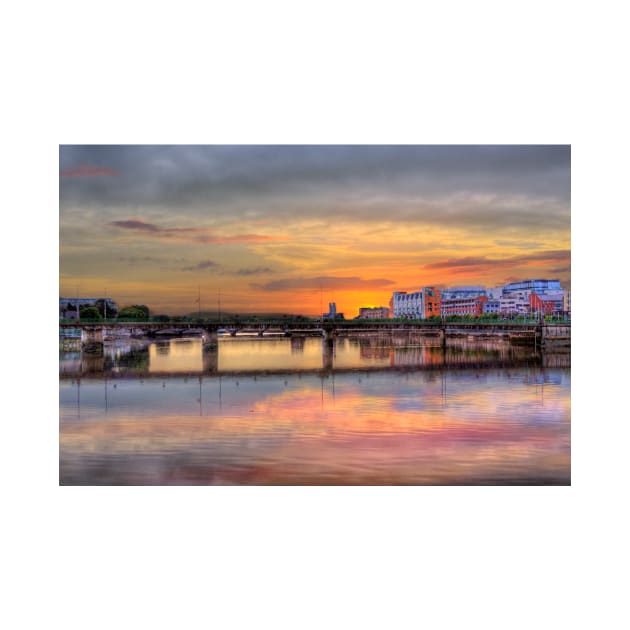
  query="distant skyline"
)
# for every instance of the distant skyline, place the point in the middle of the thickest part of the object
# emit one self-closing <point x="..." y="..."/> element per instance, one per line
<point x="291" y="228"/>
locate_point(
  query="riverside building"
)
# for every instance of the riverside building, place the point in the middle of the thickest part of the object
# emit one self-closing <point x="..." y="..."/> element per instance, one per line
<point x="458" y="293"/>
<point x="464" y="306"/>
<point x="417" y="305"/>
<point x="537" y="286"/>
<point x="373" y="312"/>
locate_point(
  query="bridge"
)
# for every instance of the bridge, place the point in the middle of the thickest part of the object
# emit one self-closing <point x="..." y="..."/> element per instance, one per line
<point x="93" y="334"/>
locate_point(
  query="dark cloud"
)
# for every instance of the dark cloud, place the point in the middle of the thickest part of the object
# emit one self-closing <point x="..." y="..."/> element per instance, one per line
<point x="133" y="224"/>
<point x="139" y="259"/>
<point x="195" y="235"/>
<point x="204" y="264"/>
<point x="253" y="272"/>
<point x="324" y="282"/>
<point x="476" y="185"/>
<point x="483" y="261"/>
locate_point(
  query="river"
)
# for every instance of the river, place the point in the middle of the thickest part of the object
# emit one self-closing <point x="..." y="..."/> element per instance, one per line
<point x="367" y="410"/>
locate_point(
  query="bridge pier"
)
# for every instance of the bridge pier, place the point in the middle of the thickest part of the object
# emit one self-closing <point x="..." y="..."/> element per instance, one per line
<point x="328" y="352"/>
<point x="210" y="340"/>
<point x="329" y="334"/>
<point x="92" y="340"/>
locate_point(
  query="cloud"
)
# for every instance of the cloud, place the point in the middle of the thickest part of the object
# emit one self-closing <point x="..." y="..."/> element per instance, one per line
<point x="253" y="272"/>
<point x="483" y="261"/>
<point x="86" y="170"/>
<point x="195" y="235"/>
<point x="237" y="238"/>
<point x="520" y="244"/>
<point x="204" y="264"/>
<point x="136" y="224"/>
<point x="133" y="260"/>
<point x="478" y="187"/>
<point x="468" y="261"/>
<point x="353" y="283"/>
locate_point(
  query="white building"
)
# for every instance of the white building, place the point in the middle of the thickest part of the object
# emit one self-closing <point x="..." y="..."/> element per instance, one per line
<point x="408" y="304"/>
<point x="492" y="306"/>
<point x="494" y="293"/>
<point x="516" y="303"/>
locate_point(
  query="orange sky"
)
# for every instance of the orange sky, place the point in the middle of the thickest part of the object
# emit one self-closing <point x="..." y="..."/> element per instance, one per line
<point x="289" y="229"/>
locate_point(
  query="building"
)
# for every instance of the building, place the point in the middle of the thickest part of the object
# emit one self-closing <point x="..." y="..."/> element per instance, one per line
<point x="514" y="304"/>
<point x="534" y="296"/>
<point x="417" y="305"/>
<point x="491" y="306"/>
<point x="539" y="306"/>
<point x="458" y="293"/>
<point x="532" y="286"/>
<point x="464" y="306"/>
<point x="494" y="293"/>
<point x="432" y="302"/>
<point x="566" y="307"/>
<point x="547" y="304"/>
<point x="407" y="305"/>
<point x="374" y="312"/>
<point x="332" y="312"/>
<point x="69" y="307"/>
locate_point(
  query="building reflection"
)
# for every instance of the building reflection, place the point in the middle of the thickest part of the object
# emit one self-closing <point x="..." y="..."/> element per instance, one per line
<point x="297" y="345"/>
<point x="191" y="356"/>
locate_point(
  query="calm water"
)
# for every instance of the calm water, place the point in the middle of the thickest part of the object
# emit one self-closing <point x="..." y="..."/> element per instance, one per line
<point x="297" y="411"/>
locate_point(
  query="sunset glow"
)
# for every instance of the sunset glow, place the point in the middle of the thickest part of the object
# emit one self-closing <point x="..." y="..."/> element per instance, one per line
<point x="291" y="228"/>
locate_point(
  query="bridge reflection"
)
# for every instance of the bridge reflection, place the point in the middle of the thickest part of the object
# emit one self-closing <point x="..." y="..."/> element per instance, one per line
<point x="189" y="356"/>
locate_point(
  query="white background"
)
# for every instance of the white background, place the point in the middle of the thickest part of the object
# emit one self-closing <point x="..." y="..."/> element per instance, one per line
<point x="320" y="72"/>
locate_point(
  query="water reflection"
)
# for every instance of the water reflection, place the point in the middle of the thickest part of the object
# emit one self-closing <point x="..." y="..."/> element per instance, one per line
<point x="176" y="355"/>
<point x="242" y="354"/>
<point x="476" y="426"/>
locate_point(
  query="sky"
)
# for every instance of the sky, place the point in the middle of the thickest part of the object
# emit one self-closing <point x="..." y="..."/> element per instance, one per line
<point x="290" y="228"/>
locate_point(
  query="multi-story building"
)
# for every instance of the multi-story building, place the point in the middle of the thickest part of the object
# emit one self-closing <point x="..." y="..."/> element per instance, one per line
<point x="491" y="306"/>
<point x="432" y="302"/>
<point x="532" y="286"/>
<point x="464" y="306"/>
<point x="417" y="305"/>
<point x="69" y="307"/>
<point x="494" y="293"/>
<point x="407" y="305"/>
<point x="373" y="312"/>
<point x="534" y="296"/>
<point x="566" y="307"/>
<point x="516" y="303"/>
<point x="457" y="293"/>
<point x="542" y="306"/>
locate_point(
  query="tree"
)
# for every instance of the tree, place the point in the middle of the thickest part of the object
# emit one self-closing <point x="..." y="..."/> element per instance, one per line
<point x="111" y="311"/>
<point x="90" y="312"/>
<point x="143" y="308"/>
<point x="132" y="312"/>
